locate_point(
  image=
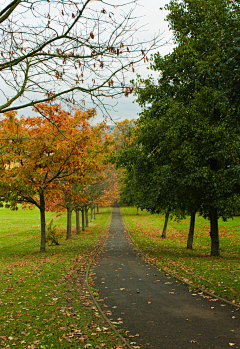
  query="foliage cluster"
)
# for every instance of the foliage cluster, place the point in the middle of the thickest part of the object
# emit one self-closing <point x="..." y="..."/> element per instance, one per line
<point x="187" y="139"/>
<point x="53" y="234"/>
<point x="52" y="161"/>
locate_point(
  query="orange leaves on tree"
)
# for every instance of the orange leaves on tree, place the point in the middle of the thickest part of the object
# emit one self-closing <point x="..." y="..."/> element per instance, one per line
<point x="41" y="154"/>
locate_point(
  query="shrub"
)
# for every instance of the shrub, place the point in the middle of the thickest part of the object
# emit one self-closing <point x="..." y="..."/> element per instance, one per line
<point x="53" y="235"/>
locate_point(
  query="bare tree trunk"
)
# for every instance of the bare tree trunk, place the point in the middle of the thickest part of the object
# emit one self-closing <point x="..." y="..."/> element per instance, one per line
<point x="43" y="222"/>
<point x="214" y="232"/>
<point x="97" y="209"/>
<point x="164" y="232"/>
<point x="83" y="219"/>
<point x="191" y="231"/>
<point x="69" y="221"/>
<point x="77" y="223"/>
<point x="86" y="213"/>
<point x="92" y="214"/>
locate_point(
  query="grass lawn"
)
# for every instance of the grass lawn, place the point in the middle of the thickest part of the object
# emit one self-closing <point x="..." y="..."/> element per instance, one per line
<point x="219" y="275"/>
<point x="43" y="299"/>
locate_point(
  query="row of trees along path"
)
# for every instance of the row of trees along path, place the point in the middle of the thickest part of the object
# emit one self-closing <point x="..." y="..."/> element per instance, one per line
<point x="156" y="310"/>
<point x="54" y="161"/>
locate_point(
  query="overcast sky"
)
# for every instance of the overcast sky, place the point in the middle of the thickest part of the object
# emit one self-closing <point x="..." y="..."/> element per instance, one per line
<point x="153" y="17"/>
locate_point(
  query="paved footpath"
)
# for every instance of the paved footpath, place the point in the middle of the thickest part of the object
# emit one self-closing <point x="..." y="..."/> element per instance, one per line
<point x="158" y="312"/>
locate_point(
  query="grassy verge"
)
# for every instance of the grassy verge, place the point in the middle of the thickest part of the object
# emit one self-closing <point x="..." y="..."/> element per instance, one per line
<point x="219" y="275"/>
<point x="43" y="299"/>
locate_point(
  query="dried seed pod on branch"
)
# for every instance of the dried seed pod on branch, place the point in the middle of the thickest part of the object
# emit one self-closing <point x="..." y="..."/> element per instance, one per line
<point x="71" y="50"/>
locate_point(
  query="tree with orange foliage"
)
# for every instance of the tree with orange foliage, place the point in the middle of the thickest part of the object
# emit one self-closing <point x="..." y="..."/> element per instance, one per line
<point x="122" y="133"/>
<point x="39" y="154"/>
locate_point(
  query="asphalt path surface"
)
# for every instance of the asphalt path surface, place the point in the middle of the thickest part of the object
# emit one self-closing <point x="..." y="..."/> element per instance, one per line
<point x="158" y="311"/>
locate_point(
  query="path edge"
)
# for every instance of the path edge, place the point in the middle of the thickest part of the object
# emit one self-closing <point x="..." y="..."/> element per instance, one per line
<point x="145" y="256"/>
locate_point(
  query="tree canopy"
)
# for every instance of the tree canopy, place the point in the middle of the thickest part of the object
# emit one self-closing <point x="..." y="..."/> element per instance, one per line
<point x="41" y="157"/>
<point x="187" y="153"/>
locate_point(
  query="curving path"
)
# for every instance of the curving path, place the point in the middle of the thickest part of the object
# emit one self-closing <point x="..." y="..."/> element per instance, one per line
<point x="158" y="312"/>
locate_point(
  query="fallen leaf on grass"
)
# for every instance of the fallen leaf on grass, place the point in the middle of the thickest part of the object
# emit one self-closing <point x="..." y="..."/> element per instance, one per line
<point x="194" y="341"/>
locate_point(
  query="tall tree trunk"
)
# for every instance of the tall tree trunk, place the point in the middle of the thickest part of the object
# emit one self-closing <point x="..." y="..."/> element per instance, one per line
<point x="191" y="231"/>
<point x="77" y="222"/>
<point x="164" y="232"/>
<point x="94" y="213"/>
<point x="91" y="214"/>
<point x="83" y="219"/>
<point x="86" y="213"/>
<point x="69" y="221"/>
<point x="97" y="209"/>
<point x="43" y="222"/>
<point x="214" y="232"/>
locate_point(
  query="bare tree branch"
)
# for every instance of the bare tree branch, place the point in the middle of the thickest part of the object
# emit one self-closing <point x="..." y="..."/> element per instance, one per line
<point x="70" y="50"/>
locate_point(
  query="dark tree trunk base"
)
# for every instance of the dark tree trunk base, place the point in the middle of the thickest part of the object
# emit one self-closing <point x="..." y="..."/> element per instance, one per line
<point x="191" y="231"/>
<point x="215" y="251"/>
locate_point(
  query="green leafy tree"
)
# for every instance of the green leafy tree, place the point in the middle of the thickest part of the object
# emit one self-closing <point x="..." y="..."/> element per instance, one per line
<point x="188" y="156"/>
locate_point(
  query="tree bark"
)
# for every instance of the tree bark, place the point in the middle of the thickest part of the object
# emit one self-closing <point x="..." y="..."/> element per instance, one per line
<point x="77" y="223"/>
<point x="164" y="232"/>
<point x="69" y="221"/>
<point x="83" y="219"/>
<point x="94" y="212"/>
<point x="214" y="232"/>
<point x="43" y="222"/>
<point x="191" y="231"/>
<point x="91" y="214"/>
<point x="86" y="213"/>
<point x="97" y="209"/>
